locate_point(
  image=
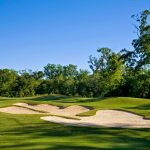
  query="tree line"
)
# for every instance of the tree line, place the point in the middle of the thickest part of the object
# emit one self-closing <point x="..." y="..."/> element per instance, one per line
<point x="124" y="73"/>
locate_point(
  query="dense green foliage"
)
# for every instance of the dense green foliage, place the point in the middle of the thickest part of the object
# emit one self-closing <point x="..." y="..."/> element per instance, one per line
<point x="26" y="132"/>
<point x="126" y="73"/>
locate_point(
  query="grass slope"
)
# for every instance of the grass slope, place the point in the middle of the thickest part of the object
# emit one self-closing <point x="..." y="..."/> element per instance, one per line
<point x="26" y="132"/>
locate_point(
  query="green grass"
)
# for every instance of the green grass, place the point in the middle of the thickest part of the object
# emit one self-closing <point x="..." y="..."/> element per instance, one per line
<point x="28" y="132"/>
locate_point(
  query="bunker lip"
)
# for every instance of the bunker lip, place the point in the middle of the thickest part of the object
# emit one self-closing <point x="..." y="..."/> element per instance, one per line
<point x="24" y="108"/>
<point x="105" y="118"/>
<point x="18" y="110"/>
<point x="102" y="118"/>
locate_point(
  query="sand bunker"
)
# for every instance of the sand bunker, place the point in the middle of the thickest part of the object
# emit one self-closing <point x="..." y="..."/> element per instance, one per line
<point x="18" y="110"/>
<point x="68" y="111"/>
<point x="24" y="108"/>
<point x="105" y="118"/>
<point x="40" y="107"/>
<point x="71" y="111"/>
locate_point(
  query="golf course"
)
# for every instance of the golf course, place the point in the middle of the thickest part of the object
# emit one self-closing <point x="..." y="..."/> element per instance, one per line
<point x="28" y="131"/>
<point x="74" y="75"/>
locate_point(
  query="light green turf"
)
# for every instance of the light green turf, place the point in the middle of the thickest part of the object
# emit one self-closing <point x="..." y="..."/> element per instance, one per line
<point x="28" y="132"/>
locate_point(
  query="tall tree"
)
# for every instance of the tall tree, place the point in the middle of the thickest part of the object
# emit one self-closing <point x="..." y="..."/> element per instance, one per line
<point x="107" y="71"/>
<point x="100" y="63"/>
<point x="142" y="43"/>
<point x="7" y="79"/>
<point x="140" y="56"/>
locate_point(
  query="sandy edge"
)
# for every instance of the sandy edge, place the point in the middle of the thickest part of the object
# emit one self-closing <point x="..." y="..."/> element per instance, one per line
<point x="105" y="118"/>
<point x="102" y="118"/>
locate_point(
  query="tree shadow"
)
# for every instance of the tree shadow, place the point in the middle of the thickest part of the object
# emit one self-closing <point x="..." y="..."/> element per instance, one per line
<point x="96" y="99"/>
<point x="49" y="98"/>
<point x="65" y="137"/>
<point x="62" y="98"/>
<point x="142" y="107"/>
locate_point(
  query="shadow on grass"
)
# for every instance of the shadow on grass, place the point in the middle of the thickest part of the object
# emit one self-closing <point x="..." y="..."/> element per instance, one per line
<point x="59" y="98"/>
<point x="54" y="136"/>
<point x="142" y="107"/>
<point x="49" y="97"/>
<point x="97" y="99"/>
<point x="62" y="98"/>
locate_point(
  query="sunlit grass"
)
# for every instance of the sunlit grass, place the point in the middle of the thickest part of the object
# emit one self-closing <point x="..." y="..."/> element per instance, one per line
<point x="26" y="132"/>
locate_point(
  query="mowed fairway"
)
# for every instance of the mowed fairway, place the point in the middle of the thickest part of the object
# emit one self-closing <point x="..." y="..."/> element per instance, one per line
<point x="29" y="132"/>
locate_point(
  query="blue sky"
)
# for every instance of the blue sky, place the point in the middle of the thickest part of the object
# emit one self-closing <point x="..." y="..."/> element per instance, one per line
<point x="36" y="32"/>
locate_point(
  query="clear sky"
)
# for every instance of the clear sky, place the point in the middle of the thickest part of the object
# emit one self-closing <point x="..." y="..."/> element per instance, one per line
<point x="36" y="32"/>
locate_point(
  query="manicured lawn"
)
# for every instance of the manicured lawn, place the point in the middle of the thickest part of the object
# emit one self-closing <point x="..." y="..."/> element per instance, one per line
<point x="26" y="132"/>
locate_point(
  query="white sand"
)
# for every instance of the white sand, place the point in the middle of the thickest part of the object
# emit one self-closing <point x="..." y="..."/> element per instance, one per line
<point x="40" y="107"/>
<point x="18" y="110"/>
<point x="105" y="118"/>
<point x="71" y="111"/>
<point x="68" y="111"/>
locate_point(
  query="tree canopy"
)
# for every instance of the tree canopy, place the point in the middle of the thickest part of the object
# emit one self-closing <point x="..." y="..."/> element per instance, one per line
<point x="124" y="73"/>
